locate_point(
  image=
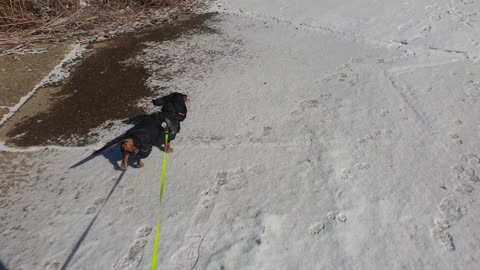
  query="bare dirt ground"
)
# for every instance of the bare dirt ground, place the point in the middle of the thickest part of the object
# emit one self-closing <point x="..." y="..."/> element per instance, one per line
<point x="20" y="73"/>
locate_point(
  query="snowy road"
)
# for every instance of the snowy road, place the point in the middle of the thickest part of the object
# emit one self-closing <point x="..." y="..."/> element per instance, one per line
<point x="320" y="135"/>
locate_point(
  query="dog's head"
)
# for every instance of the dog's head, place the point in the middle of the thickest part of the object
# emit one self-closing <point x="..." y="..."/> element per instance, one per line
<point x="173" y="105"/>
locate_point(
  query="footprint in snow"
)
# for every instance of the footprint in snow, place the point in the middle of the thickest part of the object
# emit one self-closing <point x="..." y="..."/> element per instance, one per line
<point x="308" y="104"/>
<point x="187" y="256"/>
<point x="362" y="165"/>
<point x="98" y="201"/>
<point x="440" y="232"/>
<point x="337" y="216"/>
<point x="316" y="228"/>
<point x="384" y="113"/>
<point x="345" y="174"/>
<point x="452" y="208"/>
<point x="376" y="134"/>
<point x="53" y="265"/>
<point x="135" y="252"/>
<point x="90" y="210"/>
<point x="232" y="180"/>
<point x="464" y="188"/>
<point x="470" y="158"/>
<point x="332" y="217"/>
<point x="455" y="138"/>
<point x="126" y="209"/>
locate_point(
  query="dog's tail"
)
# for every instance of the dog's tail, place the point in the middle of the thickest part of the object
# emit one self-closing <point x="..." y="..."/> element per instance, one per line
<point x="110" y="144"/>
<point x="94" y="154"/>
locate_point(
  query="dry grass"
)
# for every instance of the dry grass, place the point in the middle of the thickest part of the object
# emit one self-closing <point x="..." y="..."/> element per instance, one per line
<point x="33" y="20"/>
<point x="22" y="14"/>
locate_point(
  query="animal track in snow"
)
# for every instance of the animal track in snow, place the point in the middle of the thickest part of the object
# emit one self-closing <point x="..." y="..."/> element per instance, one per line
<point x="237" y="178"/>
<point x="332" y="216"/>
<point x="90" y="210"/>
<point x="342" y="218"/>
<point x="384" y="113"/>
<point x="375" y="134"/>
<point x="207" y="197"/>
<point x="93" y="209"/>
<point x="308" y="104"/>
<point x="362" y="165"/>
<point x="305" y="105"/>
<point x="345" y="174"/>
<point x="135" y="253"/>
<point x="126" y="209"/>
<point x="426" y="29"/>
<point x="455" y="138"/>
<point x="325" y="96"/>
<point x="267" y="131"/>
<point x="53" y="265"/>
<point x="98" y="201"/>
<point x="345" y="75"/>
<point x="144" y="231"/>
<point x="209" y="139"/>
<point x="316" y="228"/>
<point x="336" y="216"/>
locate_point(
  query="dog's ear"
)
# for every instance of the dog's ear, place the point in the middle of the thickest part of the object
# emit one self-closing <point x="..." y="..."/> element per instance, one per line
<point x="161" y="101"/>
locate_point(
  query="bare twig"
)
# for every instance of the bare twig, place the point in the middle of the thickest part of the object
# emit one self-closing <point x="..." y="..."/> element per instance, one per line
<point x="13" y="24"/>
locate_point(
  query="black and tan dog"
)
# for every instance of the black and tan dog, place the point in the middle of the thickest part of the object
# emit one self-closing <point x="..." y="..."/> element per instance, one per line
<point x="151" y="130"/>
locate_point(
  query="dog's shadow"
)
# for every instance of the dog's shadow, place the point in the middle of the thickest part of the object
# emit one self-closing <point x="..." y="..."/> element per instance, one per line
<point x="112" y="154"/>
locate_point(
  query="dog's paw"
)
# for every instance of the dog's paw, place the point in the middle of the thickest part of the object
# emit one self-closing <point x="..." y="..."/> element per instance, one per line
<point x="123" y="167"/>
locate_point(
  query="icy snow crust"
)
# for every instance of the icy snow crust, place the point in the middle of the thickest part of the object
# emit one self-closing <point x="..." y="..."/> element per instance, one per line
<point x="320" y="135"/>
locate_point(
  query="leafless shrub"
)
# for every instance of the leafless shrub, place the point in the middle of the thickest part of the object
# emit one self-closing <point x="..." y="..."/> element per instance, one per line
<point x="24" y="14"/>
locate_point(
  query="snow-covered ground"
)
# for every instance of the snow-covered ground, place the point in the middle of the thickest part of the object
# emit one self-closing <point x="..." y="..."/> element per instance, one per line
<point x="320" y="135"/>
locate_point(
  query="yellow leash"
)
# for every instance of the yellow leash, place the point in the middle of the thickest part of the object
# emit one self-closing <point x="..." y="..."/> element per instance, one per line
<point x="164" y="168"/>
<point x="162" y="186"/>
<point x="155" y="245"/>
